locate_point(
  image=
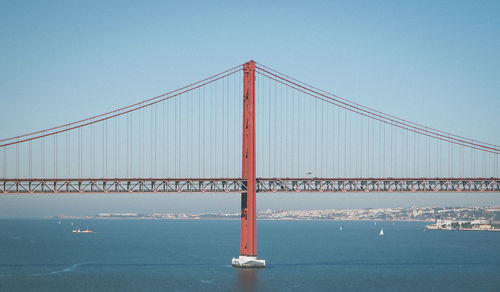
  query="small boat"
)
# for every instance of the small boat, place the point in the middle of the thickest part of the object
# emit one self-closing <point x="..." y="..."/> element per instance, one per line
<point x="82" y="231"/>
<point x="340" y="228"/>
<point x="381" y="231"/>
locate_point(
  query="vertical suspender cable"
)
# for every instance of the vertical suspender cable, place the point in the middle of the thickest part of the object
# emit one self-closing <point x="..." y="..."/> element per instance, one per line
<point x="104" y="149"/>
<point x="155" y="137"/>
<point x="228" y="100"/>
<point x="67" y="153"/>
<point x="329" y="146"/>
<point x="384" y="158"/>
<point x="142" y="154"/>
<point x="17" y="158"/>
<point x="462" y="158"/>
<point x="415" y="147"/>
<point x="355" y="143"/>
<point x="199" y="133"/>
<point x="345" y="142"/>
<point x="151" y="142"/>
<point x="321" y="139"/>
<point x="131" y="137"/>
<point x="79" y="158"/>
<point x="204" y="133"/>
<point x="328" y="154"/>
<point x="269" y="127"/>
<point x="404" y="153"/>
<point x="55" y="156"/>
<point x="361" y="147"/>
<point x="338" y="141"/>
<point x="288" y="125"/>
<point x="91" y="146"/>
<point x="275" y="130"/>
<point x="175" y="137"/>
<point x="368" y="152"/>
<point x="211" y="154"/>
<point x="168" y="142"/>
<point x="450" y="158"/>
<point x="163" y="134"/>
<point x="372" y="129"/>
<point x="237" y="97"/>
<point x="117" y="146"/>
<point x="406" y="158"/>
<point x="440" y="159"/>
<point x="282" y="132"/>
<point x="31" y="158"/>
<point x="298" y="133"/>
<point x="484" y="164"/>
<point x="5" y="161"/>
<point x="156" y="141"/>
<point x="438" y="154"/>
<point x="292" y="132"/>
<point x="216" y="125"/>
<point x="391" y="173"/>
<point x="315" y="136"/>
<point x="128" y="147"/>
<point x="141" y="151"/>
<point x="223" y="129"/>
<point x="429" y="142"/>
<point x="473" y="162"/>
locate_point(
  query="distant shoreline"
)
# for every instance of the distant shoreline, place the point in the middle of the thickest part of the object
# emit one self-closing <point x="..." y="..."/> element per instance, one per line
<point x="468" y="229"/>
<point x="228" y="219"/>
<point x="472" y="215"/>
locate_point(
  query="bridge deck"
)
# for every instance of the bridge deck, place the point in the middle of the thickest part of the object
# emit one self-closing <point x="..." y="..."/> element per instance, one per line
<point x="236" y="185"/>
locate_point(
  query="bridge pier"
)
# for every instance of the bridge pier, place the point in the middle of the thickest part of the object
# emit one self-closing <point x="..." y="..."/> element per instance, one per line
<point x="248" y="239"/>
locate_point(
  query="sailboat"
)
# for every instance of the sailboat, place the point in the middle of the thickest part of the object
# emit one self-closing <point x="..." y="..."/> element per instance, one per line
<point x="381" y="231"/>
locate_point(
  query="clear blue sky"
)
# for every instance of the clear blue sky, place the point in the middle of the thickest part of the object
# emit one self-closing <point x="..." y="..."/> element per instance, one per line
<point x="432" y="62"/>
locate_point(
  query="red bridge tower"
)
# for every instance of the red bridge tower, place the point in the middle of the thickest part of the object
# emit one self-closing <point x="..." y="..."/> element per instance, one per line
<point x="248" y="244"/>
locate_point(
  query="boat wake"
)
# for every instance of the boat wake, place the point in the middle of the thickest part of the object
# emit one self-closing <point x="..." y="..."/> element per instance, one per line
<point x="71" y="268"/>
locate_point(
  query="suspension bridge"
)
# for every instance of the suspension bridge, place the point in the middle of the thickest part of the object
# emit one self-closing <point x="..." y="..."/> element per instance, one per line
<point x="295" y="138"/>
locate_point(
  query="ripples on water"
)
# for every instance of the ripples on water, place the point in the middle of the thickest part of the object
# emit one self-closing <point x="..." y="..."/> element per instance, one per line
<point x="140" y="255"/>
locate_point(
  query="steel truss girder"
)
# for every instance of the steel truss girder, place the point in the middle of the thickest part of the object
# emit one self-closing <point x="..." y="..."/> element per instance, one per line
<point x="238" y="185"/>
<point x="138" y="185"/>
<point x="302" y="185"/>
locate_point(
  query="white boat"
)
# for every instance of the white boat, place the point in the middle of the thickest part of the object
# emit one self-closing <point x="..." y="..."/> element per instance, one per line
<point x="340" y="228"/>
<point x="77" y="230"/>
<point x="381" y="231"/>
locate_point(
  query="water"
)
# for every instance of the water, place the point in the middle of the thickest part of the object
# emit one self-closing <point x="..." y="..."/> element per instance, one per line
<point x="149" y="255"/>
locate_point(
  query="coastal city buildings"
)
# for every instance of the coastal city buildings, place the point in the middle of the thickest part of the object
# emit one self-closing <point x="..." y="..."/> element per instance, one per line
<point x="447" y="218"/>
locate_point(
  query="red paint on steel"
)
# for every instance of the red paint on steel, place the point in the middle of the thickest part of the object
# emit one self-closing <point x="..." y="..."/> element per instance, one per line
<point x="248" y="243"/>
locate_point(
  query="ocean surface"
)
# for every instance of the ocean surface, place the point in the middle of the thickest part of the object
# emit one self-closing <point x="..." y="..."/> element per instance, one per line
<point x="194" y="255"/>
